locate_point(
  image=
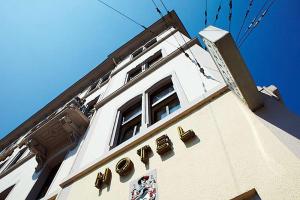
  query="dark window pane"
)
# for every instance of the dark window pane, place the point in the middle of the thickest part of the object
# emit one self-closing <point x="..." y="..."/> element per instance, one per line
<point x="161" y="93"/>
<point x="160" y="114"/>
<point x="135" y="72"/>
<point x="132" y="112"/>
<point x="137" y="52"/>
<point x="150" y="43"/>
<point x="105" y="77"/>
<point x="48" y="181"/>
<point x="130" y="129"/>
<point x="130" y="122"/>
<point x="175" y="105"/>
<point x="126" y="134"/>
<point x="153" y="59"/>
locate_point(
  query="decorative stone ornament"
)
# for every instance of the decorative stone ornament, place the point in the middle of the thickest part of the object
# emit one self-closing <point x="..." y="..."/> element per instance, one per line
<point x="39" y="151"/>
<point x="185" y="135"/>
<point x="163" y="144"/>
<point x="124" y="166"/>
<point x="144" y="153"/>
<point x="103" y="178"/>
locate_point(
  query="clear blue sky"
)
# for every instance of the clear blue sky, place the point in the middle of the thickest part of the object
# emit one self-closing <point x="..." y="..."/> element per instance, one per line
<point x="45" y="46"/>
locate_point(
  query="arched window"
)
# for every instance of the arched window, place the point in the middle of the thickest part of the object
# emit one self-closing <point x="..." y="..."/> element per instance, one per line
<point x="129" y="121"/>
<point x="163" y="100"/>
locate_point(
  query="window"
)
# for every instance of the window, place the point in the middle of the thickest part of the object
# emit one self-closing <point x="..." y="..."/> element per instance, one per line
<point x="153" y="59"/>
<point x="16" y="158"/>
<point x="150" y="43"/>
<point x="146" y="46"/>
<point x="137" y="52"/>
<point x="93" y="86"/>
<point x="159" y="101"/>
<point x="134" y="72"/>
<point x="163" y="102"/>
<point x="48" y="181"/>
<point x="143" y="66"/>
<point x="46" y="177"/>
<point x="105" y="77"/>
<point x="130" y="122"/>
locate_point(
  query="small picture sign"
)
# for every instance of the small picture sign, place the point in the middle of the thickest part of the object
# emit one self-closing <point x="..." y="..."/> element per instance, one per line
<point x="144" y="188"/>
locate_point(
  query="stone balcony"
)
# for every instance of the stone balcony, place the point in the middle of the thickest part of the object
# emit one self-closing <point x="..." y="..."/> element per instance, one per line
<point x="57" y="134"/>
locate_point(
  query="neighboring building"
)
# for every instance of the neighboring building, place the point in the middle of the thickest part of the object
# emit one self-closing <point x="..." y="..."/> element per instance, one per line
<point x="150" y="123"/>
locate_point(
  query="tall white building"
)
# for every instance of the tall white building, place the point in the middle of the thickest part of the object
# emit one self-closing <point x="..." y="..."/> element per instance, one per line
<point x="160" y="118"/>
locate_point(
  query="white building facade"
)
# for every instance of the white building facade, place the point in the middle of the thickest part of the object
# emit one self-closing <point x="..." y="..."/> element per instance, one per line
<point x="159" y="108"/>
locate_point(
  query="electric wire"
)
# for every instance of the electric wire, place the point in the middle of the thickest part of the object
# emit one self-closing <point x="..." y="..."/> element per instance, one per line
<point x="195" y="61"/>
<point x="164" y="6"/>
<point x="257" y="22"/>
<point x="145" y="28"/>
<point x="124" y="15"/>
<point x="254" y="20"/>
<point x="167" y="26"/>
<point x="134" y="21"/>
<point x="230" y="15"/>
<point x="245" y="17"/>
<point x="205" y="14"/>
<point x="218" y="12"/>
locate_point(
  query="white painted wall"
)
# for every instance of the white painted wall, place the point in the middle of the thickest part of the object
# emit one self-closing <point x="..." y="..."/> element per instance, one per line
<point x="99" y="132"/>
<point x="187" y="73"/>
<point x="22" y="177"/>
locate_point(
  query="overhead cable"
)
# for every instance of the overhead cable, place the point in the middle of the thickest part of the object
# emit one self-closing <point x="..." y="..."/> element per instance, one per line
<point x="124" y="15"/>
<point x="205" y="14"/>
<point x="230" y="14"/>
<point x="245" y="17"/>
<point x="185" y="53"/>
<point x="254" y="20"/>
<point x="218" y="11"/>
<point x="257" y="22"/>
<point x="167" y="25"/>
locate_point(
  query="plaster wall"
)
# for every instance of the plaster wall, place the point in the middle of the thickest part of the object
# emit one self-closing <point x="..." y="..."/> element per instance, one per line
<point x="23" y="178"/>
<point x="63" y="170"/>
<point x="190" y="81"/>
<point x="167" y="46"/>
<point x="234" y="152"/>
<point x="128" y="58"/>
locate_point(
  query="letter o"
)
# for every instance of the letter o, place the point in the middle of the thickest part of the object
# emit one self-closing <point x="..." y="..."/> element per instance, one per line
<point x="124" y="166"/>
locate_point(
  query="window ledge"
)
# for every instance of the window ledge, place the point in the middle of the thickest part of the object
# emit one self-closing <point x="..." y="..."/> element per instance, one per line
<point x="152" y="130"/>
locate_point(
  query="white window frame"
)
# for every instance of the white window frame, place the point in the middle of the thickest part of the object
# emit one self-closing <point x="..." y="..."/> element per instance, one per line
<point x="118" y="122"/>
<point x="146" y="111"/>
<point x="143" y="66"/>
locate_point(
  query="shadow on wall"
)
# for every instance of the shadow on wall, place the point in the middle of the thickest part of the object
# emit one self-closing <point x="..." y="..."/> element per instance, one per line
<point x="283" y="123"/>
